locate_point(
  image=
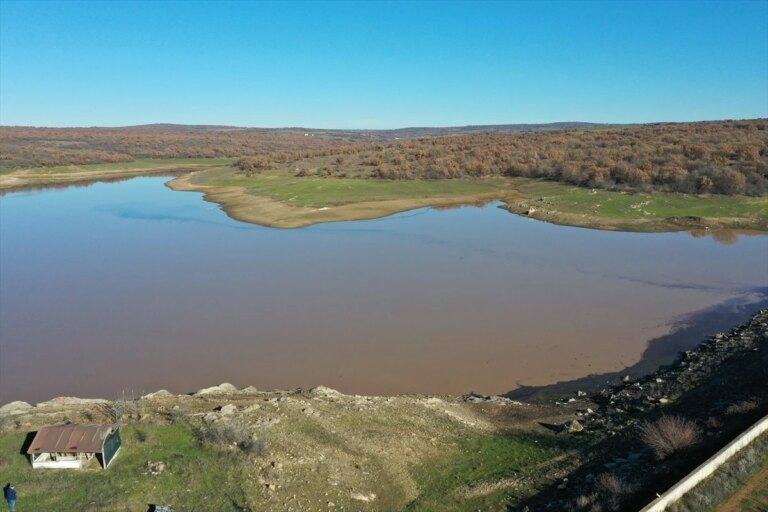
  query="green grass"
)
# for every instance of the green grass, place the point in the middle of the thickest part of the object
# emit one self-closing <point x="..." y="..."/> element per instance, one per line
<point x="657" y="205"/>
<point x="318" y="192"/>
<point x="194" y="476"/>
<point x="148" y="163"/>
<point x="487" y="460"/>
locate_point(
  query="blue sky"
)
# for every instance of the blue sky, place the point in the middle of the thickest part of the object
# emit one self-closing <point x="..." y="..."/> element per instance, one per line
<point x="380" y="64"/>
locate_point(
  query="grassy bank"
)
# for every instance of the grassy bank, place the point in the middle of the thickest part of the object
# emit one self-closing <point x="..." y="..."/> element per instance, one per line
<point x="188" y="482"/>
<point x="658" y="211"/>
<point x="299" y="451"/>
<point x="280" y="199"/>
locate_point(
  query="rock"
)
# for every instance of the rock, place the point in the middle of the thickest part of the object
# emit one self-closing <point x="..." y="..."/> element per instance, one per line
<point x="71" y="400"/>
<point x="363" y="497"/>
<point x="325" y="392"/>
<point x="221" y="389"/>
<point x="16" y="407"/>
<point x="580" y="393"/>
<point x="664" y="400"/>
<point x="572" y="426"/>
<point x="626" y="378"/>
<point x="228" y="410"/>
<point x="158" y="394"/>
<point x="154" y="468"/>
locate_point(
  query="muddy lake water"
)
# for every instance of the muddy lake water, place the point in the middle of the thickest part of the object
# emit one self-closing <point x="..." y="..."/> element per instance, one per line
<point x="133" y="287"/>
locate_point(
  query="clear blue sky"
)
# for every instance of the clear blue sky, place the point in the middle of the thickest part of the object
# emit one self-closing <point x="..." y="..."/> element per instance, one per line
<point x="380" y="64"/>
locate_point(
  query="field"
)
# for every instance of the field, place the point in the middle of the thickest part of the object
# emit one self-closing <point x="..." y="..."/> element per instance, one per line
<point x="658" y="211"/>
<point x="313" y="452"/>
<point x="316" y="192"/>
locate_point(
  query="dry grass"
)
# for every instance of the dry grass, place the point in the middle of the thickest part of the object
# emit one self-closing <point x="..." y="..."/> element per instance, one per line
<point x="670" y="434"/>
<point x="612" y="490"/>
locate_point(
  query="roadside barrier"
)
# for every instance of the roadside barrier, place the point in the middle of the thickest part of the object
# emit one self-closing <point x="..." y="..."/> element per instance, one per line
<point x="707" y="468"/>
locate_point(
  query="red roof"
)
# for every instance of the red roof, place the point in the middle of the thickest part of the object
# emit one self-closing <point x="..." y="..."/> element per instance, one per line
<point x="70" y="439"/>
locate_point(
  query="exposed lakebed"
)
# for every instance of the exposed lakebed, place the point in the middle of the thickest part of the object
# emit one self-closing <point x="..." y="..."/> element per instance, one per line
<point x="132" y="286"/>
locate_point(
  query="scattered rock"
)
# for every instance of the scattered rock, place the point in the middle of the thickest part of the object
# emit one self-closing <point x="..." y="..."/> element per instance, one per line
<point x="323" y="391"/>
<point x="572" y="426"/>
<point x="228" y="410"/>
<point x="367" y="497"/>
<point x="16" y="407"/>
<point x="221" y="389"/>
<point x="71" y="400"/>
<point x="158" y="394"/>
<point x="154" y="468"/>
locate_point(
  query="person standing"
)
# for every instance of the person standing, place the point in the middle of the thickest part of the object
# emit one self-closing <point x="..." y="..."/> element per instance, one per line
<point x="10" y="496"/>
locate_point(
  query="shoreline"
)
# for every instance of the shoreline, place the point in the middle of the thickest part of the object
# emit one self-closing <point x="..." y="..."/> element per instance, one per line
<point x="690" y="333"/>
<point x="666" y="225"/>
<point x="242" y="205"/>
<point x="238" y="204"/>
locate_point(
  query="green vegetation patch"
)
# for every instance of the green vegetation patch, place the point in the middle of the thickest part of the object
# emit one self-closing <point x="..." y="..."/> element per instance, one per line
<point x="322" y="191"/>
<point x="489" y="473"/>
<point x="194" y="479"/>
<point x="655" y="206"/>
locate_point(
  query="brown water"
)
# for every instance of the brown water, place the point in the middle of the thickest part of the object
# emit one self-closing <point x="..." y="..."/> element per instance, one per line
<point x="132" y="286"/>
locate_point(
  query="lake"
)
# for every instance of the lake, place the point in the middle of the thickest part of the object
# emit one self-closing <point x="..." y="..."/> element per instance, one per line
<point x="133" y="287"/>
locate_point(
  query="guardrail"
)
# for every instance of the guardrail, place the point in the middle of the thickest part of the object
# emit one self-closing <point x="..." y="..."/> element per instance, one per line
<point x="707" y="468"/>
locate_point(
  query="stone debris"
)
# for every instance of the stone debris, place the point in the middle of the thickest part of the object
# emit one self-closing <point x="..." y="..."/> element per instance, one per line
<point x="154" y="468"/>
<point x="367" y="497"/>
<point x="16" y="407"/>
<point x="221" y="389"/>
<point x="71" y="400"/>
<point x="158" y="394"/>
<point x="228" y="410"/>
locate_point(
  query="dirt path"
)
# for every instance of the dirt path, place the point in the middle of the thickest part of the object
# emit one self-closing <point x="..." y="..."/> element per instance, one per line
<point x="752" y="497"/>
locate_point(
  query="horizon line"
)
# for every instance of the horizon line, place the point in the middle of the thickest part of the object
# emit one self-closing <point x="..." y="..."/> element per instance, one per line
<point x="413" y="127"/>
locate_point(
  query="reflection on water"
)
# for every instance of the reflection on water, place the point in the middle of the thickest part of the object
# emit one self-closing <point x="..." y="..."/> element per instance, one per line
<point x="130" y="285"/>
<point x="725" y="236"/>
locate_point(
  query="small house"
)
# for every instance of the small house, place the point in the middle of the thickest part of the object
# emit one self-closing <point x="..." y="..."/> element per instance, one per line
<point x="73" y="446"/>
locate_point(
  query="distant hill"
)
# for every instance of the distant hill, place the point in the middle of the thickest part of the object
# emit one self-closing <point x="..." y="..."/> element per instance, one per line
<point x="396" y="133"/>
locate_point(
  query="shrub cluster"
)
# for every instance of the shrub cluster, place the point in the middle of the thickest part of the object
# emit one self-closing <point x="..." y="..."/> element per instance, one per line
<point x="670" y="434"/>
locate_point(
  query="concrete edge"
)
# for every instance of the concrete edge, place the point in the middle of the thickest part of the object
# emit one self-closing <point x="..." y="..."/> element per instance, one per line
<point x="708" y="467"/>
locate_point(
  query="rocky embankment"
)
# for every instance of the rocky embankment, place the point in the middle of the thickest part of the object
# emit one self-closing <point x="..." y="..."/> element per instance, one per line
<point x="722" y="386"/>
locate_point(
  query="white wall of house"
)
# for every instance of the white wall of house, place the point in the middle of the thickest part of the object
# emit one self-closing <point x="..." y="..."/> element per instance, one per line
<point x="45" y="461"/>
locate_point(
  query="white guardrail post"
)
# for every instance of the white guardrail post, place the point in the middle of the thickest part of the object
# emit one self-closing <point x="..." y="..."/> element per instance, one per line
<point x="707" y="468"/>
